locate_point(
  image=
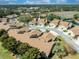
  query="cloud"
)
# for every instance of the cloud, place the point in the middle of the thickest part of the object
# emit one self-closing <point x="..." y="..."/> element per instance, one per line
<point x="10" y="0"/>
<point x="37" y="1"/>
<point x="45" y="1"/>
<point x="61" y="1"/>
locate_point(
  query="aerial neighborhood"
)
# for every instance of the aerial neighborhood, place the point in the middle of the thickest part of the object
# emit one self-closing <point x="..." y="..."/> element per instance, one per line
<point x="37" y="33"/>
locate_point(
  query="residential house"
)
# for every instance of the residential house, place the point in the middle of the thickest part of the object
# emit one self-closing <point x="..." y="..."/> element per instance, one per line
<point x="33" y="41"/>
<point x="42" y="21"/>
<point x="23" y="30"/>
<point x="35" y="33"/>
<point x="54" y="22"/>
<point x="47" y="37"/>
<point x="39" y="21"/>
<point x="12" y="18"/>
<point x="75" y="30"/>
<point x="60" y="23"/>
<point x="3" y="19"/>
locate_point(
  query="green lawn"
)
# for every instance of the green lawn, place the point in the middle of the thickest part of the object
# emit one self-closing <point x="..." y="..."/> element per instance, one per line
<point x="76" y="56"/>
<point x="4" y="54"/>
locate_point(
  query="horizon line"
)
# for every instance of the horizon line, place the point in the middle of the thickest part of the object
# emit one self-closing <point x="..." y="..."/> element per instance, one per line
<point x="44" y="4"/>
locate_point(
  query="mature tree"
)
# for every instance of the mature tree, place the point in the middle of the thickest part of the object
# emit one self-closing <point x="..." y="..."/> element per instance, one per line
<point x="62" y="17"/>
<point x="34" y="14"/>
<point x="25" y="18"/>
<point x="2" y="13"/>
<point x="59" y="48"/>
<point x="76" y="16"/>
<point x="2" y="31"/>
<point x="14" y="49"/>
<point x="17" y="12"/>
<point x="52" y="16"/>
<point x="22" y="48"/>
<point x="4" y="37"/>
<point x="32" y="53"/>
<point x="9" y="43"/>
<point x="59" y="38"/>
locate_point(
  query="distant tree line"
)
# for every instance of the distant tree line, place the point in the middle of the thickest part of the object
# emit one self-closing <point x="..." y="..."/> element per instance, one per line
<point x="4" y="12"/>
<point x="14" y="9"/>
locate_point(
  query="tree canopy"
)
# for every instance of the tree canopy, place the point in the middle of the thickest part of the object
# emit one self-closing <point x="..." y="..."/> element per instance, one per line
<point x="32" y="53"/>
<point x="22" y="48"/>
<point x="9" y="43"/>
<point x="76" y="16"/>
<point x="52" y="16"/>
<point x="25" y="18"/>
<point x="2" y="31"/>
<point x="17" y="47"/>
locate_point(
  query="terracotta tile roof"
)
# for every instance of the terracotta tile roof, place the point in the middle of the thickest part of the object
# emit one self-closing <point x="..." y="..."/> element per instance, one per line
<point x="34" y="21"/>
<point x="36" y="33"/>
<point x="42" y="46"/>
<point x="75" y="30"/>
<point x="11" y="16"/>
<point x="47" y="36"/>
<point x="55" y="21"/>
<point x="63" y="23"/>
<point x="24" y="29"/>
<point x="4" y="19"/>
<point x="40" y="21"/>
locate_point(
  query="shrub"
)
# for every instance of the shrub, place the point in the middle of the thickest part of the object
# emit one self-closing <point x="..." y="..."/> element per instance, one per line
<point x="22" y="48"/>
<point x="76" y="16"/>
<point x="2" y="31"/>
<point x="4" y="37"/>
<point x="9" y="42"/>
<point x="52" y="16"/>
<point x="25" y="18"/>
<point x="69" y="33"/>
<point x="65" y="30"/>
<point x="32" y="53"/>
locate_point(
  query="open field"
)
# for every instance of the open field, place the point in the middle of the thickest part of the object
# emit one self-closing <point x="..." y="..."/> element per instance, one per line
<point x="76" y="56"/>
<point x="67" y="14"/>
<point x="4" y="54"/>
<point x="68" y="57"/>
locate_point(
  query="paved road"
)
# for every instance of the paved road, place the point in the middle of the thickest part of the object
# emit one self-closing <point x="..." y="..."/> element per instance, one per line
<point x="67" y="39"/>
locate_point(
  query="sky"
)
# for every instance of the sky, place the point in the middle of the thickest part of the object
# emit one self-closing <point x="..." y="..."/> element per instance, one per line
<point x="2" y="2"/>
